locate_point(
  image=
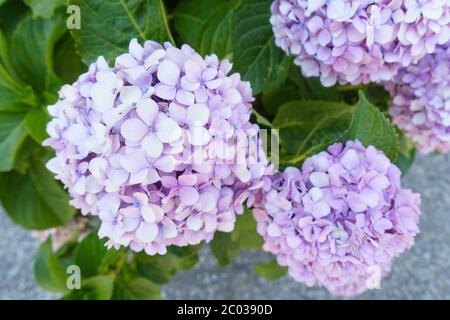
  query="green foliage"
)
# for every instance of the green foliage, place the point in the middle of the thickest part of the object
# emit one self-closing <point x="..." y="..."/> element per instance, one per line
<point x="206" y="25"/>
<point x="270" y="270"/>
<point x="161" y="269"/>
<point x="371" y="127"/>
<point x="107" y="26"/>
<point x="49" y="270"/>
<point x="35" y="200"/>
<point x="44" y="8"/>
<point x="307" y="127"/>
<point x="226" y="246"/>
<point x="255" y="55"/>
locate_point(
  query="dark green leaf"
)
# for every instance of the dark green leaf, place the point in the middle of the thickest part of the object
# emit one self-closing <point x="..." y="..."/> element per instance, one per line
<point x="307" y="127"/>
<point x="312" y="88"/>
<point x="270" y="270"/>
<point x="67" y="63"/>
<point x="44" y="8"/>
<point x="255" y="55"/>
<point x="371" y="127"/>
<point x="406" y="155"/>
<point x="136" y="288"/>
<point x="206" y="25"/>
<point x="49" y="272"/>
<point x="226" y="246"/>
<point x="10" y="13"/>
<point x="272" y="100"/>
<point x="32" y="44"/>
<point x="107" y="26"/>
<point x="161" y="269"/>
<point x="13" y="132"/>
<point x="35" y="200"/>
<point x="96" y="288"/>
<point x="90" y="254"/>
<point x="36" y="121"/>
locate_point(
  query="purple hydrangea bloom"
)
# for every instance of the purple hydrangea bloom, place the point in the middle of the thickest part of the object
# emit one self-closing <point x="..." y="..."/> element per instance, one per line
<point x="160" y="146"/>
<point x="349" y="41"/>
<point x="421" y="101"/>
<point x="339" y="219"/>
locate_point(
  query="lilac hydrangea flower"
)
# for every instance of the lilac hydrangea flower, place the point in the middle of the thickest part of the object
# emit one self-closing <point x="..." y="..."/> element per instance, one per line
<point x="421" y="101"/>
<point x="159" y="146"/>
<point x="355" y="42"/>
<point x="339" y="219"/>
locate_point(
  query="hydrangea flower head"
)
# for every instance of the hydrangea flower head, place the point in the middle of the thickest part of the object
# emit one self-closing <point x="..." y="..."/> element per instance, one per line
<point x="421" y="101"/>
<point x="358" y="41"/>
<point x="159" y="146"/>
<point x="341" y="218"/>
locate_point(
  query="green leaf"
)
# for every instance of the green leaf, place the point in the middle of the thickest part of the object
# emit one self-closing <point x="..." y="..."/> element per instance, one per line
<point x="13" y="132"/>
<point x="68" y="65"/>
<point x="270" y="270"/>
<point x="371" y="127"/>
<point x="44" y="8"/>
<point x="161" y="269"/>
<point x="406" y="154"/>
<point x="107" y="26"/>
<point x="90" y="254"/>
<point x="36" y="121"/>
<point x="49" y="272"/>
<point x="10" y="13"/>
<point x="32" y="44"/>
<point x="307" y="127"/>
<point x="226" y="246"/>
<point x="272" y="100"/>
<point x="29" y="152"/>
<point x="35" y="200"/>
<point x="255" y="55"/>
<point x="311" y="88"/>
<point x="136" y="288"/>
<point x="12" y="101"/>
<point x="206" y="25"/>
<point x="95" y="288"/>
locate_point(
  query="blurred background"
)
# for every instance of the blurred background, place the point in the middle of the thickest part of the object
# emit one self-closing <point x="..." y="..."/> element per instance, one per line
<point x="420" y="273"/>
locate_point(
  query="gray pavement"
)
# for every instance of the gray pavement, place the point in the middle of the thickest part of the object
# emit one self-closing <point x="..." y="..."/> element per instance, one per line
<point x="421" y="273"/>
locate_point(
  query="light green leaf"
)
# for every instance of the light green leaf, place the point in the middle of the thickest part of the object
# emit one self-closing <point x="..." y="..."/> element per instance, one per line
<point x="136" y="288"/>
<point x="371" y="127"/>
<point x="36" y="121"/>
<point x="35" y="200"/>
<point x="206" y="25"/>
<point x="270" y="270"/>
<point x="13" y="132"/>
<point x="255" y="55"/>
<point x="307" y="127"/>
<point x="44" y="8"/>
<point x="49" y="272"/>
<point x="32" y="44"/>
<point x="107" y="26"/>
